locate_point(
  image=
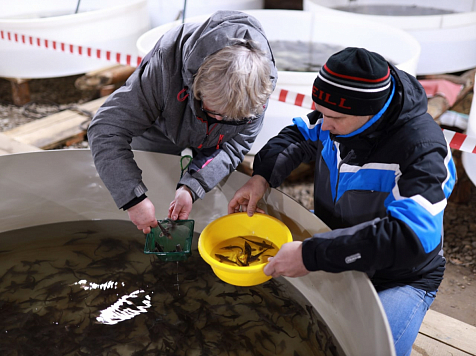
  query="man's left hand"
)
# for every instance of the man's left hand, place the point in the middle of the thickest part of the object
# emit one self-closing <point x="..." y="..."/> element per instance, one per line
<point x="287" y="262"/>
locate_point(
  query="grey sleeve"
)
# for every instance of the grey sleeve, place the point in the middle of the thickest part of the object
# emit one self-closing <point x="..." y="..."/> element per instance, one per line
<point x="127" y="113"/>
<point x="222" y="162"/>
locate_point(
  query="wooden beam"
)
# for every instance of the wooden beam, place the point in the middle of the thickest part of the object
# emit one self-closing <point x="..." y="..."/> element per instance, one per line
<point x="51" y="131"/>
<point x="446" y="332"/>
<point x="9" y="145"/>
<point x="426" y="346"/>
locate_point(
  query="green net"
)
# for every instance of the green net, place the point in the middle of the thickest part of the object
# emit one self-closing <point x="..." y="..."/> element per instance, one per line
<point x="171" y="241"/>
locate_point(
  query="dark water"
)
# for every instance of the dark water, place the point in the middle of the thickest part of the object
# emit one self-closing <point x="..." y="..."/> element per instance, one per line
<point x="87" y="288"/>
<point x="300" y="56"/>
<point x="394" y="10"/>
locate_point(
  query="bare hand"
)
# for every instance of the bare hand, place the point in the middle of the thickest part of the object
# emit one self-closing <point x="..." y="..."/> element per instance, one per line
<point x="181" y="206"/>
<point x="287" y="262"/>
<point x="247" y="197"/>
<point x="142" y="215"/>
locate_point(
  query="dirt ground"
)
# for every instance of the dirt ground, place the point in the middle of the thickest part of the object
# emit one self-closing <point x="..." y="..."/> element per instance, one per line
<point x="457" y="293"/>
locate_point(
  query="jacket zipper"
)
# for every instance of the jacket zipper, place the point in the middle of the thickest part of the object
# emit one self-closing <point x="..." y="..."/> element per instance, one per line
<point x="219" y="140"/>
<point x="346" y="159"/>
<point x="208" y="132"/>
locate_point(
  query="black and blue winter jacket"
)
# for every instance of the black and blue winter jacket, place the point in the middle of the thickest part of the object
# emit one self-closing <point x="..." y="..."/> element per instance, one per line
<point x="382" y="189"/>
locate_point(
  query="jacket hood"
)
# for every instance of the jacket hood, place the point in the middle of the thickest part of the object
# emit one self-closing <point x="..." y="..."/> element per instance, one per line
<point x="216" y="33"/>
<point x="409" y="101"/>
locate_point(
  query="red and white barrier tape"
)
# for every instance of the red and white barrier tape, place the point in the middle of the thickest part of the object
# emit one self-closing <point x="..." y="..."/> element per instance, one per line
<point x="297" y="99"/>
<point x="460" y="142"/>
<point x="456" y="140"/>
<point x="121" y="58"/>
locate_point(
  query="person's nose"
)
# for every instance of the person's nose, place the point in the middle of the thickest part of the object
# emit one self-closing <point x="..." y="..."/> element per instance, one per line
<point x="326" y="124"/>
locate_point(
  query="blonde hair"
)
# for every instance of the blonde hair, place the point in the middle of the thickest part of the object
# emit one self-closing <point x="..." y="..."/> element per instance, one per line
<point x="235" y="81"/>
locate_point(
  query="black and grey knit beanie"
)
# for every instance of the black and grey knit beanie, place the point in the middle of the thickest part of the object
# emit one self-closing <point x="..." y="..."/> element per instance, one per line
<point x="354" y="81"/>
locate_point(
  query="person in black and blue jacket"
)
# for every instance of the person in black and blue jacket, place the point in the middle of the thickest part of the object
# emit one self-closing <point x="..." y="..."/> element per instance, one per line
<point x="383" y="174"/>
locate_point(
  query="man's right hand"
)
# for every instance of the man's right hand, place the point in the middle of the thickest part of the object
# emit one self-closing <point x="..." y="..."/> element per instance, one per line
<point x="142" y="215"/>
<point x="246" y="198"/>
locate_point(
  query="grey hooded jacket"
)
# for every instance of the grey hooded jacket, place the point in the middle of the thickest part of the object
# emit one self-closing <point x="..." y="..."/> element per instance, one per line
<point x="157" y="103"/>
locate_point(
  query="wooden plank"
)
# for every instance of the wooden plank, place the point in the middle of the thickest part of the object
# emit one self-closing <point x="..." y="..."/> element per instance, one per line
<point x="426" y="346"/>
<point x="55" y="129"/>
<point x="9" y="145"/>
<point x="449" y="331"/>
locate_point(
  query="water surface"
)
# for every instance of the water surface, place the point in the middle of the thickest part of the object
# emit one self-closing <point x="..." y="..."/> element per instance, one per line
<point x="393" y="10"/>
<point x="87" y="288"/>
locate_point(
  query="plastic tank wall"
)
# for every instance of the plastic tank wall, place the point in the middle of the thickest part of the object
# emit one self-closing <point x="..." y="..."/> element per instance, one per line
<point x="113" y="25"/>
<point x="63" y="186"/>
<point x="448" y="41"/>
<point x="469" y="159"/>
<point x="165" y="11"/>
<point x="394" y="44"/>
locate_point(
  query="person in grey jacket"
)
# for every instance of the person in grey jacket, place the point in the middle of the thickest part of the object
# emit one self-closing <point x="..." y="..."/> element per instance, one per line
<point x="204" y="87"/>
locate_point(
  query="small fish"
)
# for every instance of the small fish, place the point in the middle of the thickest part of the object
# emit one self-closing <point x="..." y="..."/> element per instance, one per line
<point x="158" y="247"/>
<point x="234" y="295"/>
<point x="245" y="257"/>
<point x="30" y="264"/>
<point x="262" y="245"/>
<point x="224" y="258"/>
<point x="232" y="247"/>
<point x="256" y="257"/>
<point x="164" y="231"/>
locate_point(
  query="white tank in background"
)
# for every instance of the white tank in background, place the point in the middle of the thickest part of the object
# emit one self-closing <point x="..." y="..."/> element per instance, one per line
<point x="65" y="187"/>
<point x="165" y="11"/>
<point x="469" y="159"/>
<point x="307" y="27"/>
<point x="445" y="29"/>
<point x="108" y="25"/>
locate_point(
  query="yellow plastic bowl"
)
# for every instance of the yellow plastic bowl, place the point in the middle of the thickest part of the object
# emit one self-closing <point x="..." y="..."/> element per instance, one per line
<point x="229" y="226"/>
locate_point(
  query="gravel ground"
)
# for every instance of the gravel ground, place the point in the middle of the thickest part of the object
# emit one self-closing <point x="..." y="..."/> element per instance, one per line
<point x="51" y="95"/>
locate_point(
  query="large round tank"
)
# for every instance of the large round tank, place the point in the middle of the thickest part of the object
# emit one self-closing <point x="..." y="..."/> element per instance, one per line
<point x="469" y="158"/>
<point x="165" y="11"/>
<point x="107" y="25"/>
<point x="394" y="44"/>
<point x="48" y="187"/>
<point x="445" y="29"/>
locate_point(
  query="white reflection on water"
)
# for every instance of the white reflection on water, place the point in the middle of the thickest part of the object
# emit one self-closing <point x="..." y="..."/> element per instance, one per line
<point x="117" y="312"/>
<point x="91" y="285"/>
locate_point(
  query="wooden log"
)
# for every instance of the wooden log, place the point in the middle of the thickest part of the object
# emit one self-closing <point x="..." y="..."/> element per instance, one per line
<point x="437" y="105"/>
<point x="20" y="91"/>
<point x="98" y="79"/>
<point x="107" y="90"/>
